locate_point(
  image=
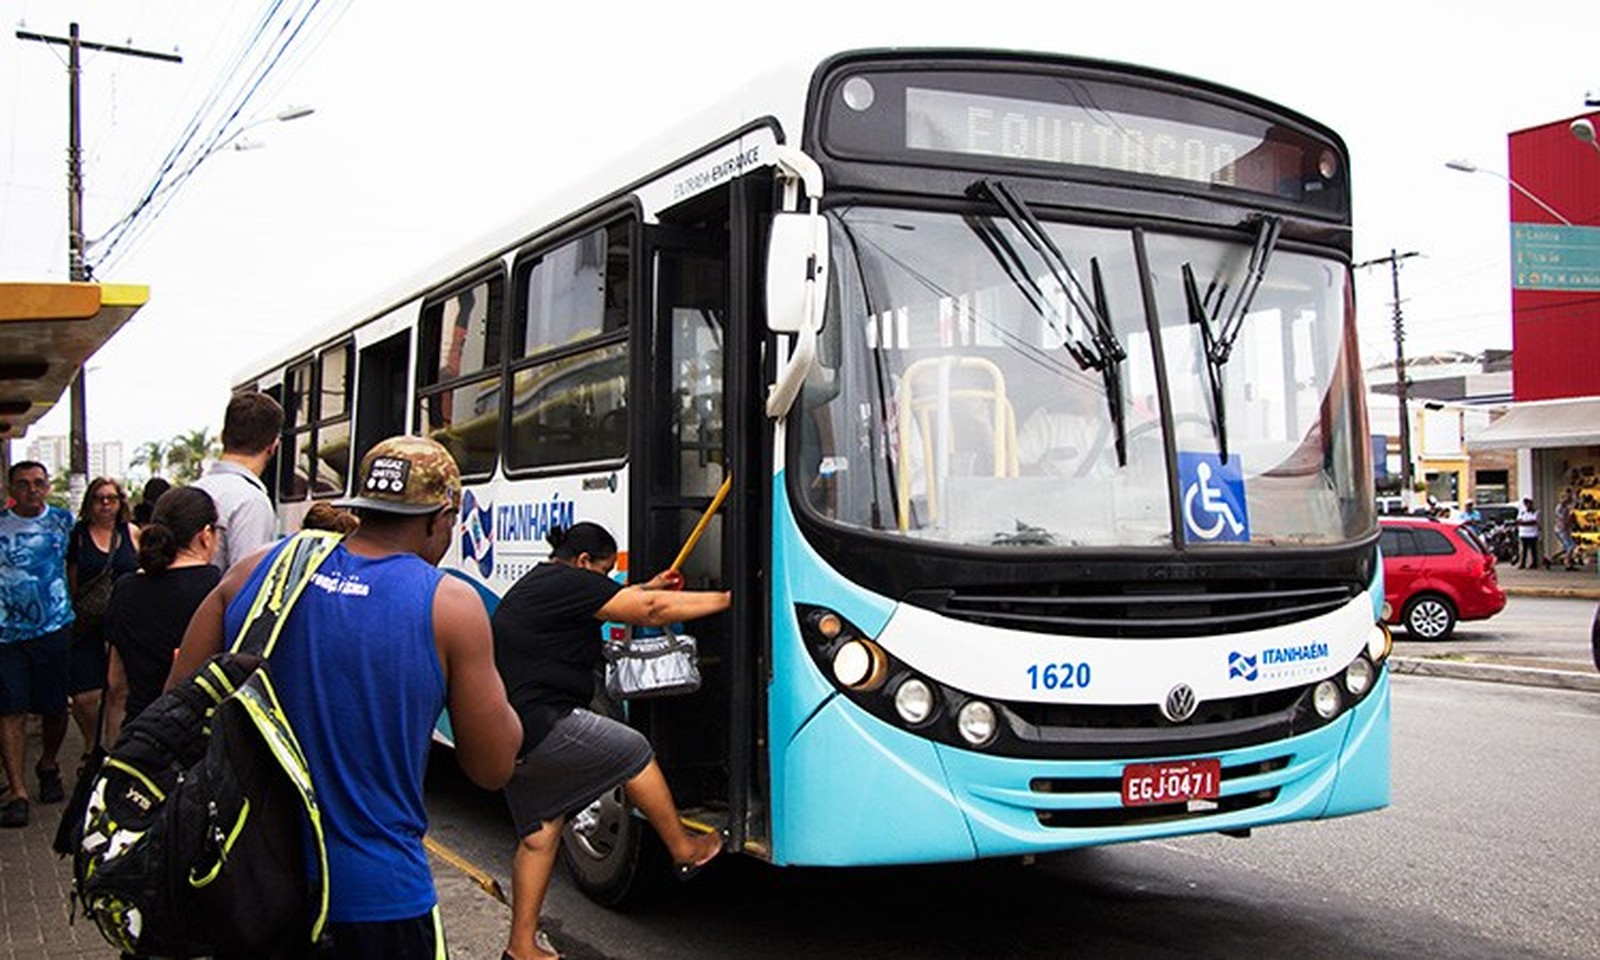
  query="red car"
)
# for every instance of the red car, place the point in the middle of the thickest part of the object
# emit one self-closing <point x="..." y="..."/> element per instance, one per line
<point x="1435" y="573"/>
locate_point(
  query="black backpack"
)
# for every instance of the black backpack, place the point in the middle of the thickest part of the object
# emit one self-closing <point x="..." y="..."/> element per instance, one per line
<point x="195" y="838"/>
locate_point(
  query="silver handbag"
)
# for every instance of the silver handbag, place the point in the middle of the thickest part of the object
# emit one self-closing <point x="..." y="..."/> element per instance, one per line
<point x="651" y="663"/>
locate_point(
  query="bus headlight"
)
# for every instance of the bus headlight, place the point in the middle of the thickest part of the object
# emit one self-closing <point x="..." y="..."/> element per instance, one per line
<point x="1358" y="676"/>
<point x="860" y="665"/>
<point x="976" y="721"/>
<point x="1325" y="698"/>
<point x="913" y="701"/>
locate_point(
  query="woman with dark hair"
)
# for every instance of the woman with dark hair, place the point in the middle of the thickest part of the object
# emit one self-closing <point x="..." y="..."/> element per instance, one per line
<point x="149" y="611"/>
<point x="547" y="645"/>
<point x="102" y="548"/>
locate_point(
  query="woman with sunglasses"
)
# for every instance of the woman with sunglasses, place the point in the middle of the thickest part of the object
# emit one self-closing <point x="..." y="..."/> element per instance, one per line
<point x="104" y="542"/>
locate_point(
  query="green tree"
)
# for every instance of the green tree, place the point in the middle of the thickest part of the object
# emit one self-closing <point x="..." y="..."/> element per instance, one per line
<point x="152" y="455"/>
<point x="188" y="452"/>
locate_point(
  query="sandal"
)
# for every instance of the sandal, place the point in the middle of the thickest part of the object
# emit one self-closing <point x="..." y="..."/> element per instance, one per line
<point x="687" y="871"/>
<point x="51" y="790"/>
<point x="14" y="813"/>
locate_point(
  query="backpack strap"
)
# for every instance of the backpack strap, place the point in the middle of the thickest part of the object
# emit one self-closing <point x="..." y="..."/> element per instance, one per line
<point x="286" y="579"/>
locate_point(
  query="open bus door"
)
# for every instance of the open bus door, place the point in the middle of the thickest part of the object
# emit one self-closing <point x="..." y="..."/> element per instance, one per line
<point x="679" y="458"/>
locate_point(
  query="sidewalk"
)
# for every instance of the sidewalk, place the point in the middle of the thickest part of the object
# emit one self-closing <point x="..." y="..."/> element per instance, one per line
<point x="1582" y="583"/>
<point x="35" y="885"/>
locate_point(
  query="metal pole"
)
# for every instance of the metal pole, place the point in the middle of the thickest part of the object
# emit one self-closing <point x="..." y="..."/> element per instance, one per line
<point x="1400" y="385"/>
<point x="78" y="434"/>
<point x="77" y="263"/>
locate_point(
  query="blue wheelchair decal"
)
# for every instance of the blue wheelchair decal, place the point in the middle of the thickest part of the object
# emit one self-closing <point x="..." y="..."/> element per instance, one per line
<point x="1213" y="498"/>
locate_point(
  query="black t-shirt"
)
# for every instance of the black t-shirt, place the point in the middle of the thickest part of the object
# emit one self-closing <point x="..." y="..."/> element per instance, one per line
<point x="547" y="643"/>
<point x="146" y="619"/>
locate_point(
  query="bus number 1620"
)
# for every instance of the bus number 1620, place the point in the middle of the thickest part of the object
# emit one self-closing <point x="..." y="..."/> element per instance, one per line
<point x="1058" y="676"/>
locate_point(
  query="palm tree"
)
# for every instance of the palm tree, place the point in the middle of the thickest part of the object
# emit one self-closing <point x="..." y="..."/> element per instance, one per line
<point x="152" y="454"/>
<point x="187" y="454"/>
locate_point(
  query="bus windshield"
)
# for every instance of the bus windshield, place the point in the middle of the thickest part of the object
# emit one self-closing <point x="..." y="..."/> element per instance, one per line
<point x="962" y="393"/>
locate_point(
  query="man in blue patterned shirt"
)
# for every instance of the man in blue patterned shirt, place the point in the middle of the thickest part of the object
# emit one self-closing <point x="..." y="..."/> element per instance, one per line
<point x="35" y="634"/>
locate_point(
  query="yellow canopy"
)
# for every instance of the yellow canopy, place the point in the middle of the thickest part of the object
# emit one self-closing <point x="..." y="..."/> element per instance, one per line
<point x="49" y="330"/>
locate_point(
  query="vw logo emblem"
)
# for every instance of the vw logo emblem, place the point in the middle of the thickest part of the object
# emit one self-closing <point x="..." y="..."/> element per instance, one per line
<point x="1180" y="703"/>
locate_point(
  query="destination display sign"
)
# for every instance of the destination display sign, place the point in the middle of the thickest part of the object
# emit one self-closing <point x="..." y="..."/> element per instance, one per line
<point x="1071" y="133"/>
<point x="1547" y="256"/>
<point x="1081" y="128"/>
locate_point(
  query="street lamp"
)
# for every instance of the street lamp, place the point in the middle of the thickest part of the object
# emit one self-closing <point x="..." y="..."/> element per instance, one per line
<point x="1583" y="130"/>
<point x="1467" y="167"/>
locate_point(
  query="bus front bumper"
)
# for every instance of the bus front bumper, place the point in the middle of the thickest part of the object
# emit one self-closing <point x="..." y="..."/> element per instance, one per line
<point x="853" y="790"/>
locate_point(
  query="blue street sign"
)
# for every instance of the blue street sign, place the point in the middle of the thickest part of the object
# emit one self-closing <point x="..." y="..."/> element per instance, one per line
<point x="1554" y="257"/>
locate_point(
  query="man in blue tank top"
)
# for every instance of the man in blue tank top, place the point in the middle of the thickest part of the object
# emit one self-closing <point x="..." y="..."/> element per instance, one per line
<point x="380" y="642"/>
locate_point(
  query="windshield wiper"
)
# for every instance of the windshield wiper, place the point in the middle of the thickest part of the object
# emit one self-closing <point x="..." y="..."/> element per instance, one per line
<point x="1099" y="351"/>
<point x="1217" y="339"/>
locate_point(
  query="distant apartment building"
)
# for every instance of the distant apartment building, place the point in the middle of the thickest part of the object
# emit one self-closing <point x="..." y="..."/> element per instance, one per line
<point x="105" y="459"/>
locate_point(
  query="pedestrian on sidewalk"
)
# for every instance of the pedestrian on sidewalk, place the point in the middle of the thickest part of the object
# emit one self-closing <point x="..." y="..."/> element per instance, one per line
<point x="245" y="518"/>
<point x="103" y="548"/>
<point x="377" y="646"/>
<point x="1563" y="529"/>
<point x="548" y="648"/>
<point x="150" y="610"/>
<point x="35" y="635"/>
<point x="1528" y="536"/>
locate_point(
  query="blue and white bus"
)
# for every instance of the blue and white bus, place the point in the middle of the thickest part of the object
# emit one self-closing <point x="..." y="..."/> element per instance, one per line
<point x="1037" y="378"/>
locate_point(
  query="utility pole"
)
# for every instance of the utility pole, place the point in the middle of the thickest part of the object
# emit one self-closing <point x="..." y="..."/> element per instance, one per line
<point x="1400" y="386"/>
<point x="77" y="269"/>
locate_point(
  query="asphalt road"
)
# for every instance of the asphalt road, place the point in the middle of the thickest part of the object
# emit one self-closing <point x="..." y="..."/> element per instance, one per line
<point x="1531" y="631"/>
<point x="1488" y="851"/>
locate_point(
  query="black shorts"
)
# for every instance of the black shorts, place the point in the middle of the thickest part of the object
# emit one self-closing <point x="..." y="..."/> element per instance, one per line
<point x="33" y="674"/>
<point x="88" y="663"/>
<point x="416" y="938"/>
<point x="582" y="757"/>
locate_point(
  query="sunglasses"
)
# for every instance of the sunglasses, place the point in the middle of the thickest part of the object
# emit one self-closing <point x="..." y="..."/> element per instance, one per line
<point x="108" y="497"/>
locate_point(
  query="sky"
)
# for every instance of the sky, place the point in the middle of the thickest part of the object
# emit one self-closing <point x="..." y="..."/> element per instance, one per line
<point x="436" y="123"/>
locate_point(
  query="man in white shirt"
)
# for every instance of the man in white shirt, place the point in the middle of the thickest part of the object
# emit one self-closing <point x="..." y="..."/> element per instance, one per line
<point x="245" y="519"/>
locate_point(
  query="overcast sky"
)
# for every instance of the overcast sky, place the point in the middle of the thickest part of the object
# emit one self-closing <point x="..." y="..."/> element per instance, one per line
<point x="437" y="122"/>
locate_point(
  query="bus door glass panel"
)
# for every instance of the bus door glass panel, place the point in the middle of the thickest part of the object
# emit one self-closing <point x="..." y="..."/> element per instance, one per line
<point x="569" y="381"/>
<point x="331" y="464"/>
<point x="691" y="311"/>
<point x="298" y="399"/>
<point x="686" y="464"/>
<point x="948" y="406"/>
<point x="459" y="374"/>
<point x="381" y="396"/>
<point x="1290" y="408"/>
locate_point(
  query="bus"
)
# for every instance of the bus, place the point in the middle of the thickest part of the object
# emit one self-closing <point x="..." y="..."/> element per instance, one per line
<point x="1037" y="382"/>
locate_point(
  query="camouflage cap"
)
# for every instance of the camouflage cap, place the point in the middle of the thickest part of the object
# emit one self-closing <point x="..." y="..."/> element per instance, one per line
<point x="409" y="475"/>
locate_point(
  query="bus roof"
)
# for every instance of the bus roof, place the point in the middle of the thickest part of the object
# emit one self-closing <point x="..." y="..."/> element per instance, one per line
<point x="777" y="95"/>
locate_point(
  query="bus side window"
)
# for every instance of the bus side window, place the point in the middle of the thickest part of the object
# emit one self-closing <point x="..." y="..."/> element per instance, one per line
<point x="569" y="380"/>
<point x="458" y="376"/>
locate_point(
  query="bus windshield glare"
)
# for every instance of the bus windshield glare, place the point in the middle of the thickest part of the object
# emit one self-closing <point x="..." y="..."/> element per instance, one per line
<point x="949" y="406"/>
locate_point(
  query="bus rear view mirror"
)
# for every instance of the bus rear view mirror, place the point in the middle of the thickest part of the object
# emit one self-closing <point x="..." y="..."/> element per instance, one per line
<point x="797" y="264"/>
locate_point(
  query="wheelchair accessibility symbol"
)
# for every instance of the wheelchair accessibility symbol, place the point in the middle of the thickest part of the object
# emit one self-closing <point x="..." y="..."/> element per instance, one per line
<point x="1213" y="498"/>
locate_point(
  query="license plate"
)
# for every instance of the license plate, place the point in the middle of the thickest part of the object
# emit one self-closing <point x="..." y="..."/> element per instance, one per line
<point x="1180" y="782"/>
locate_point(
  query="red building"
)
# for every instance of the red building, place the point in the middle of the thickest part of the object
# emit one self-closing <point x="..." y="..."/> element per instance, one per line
<point x="1555" y="270"/>
<point x="1554" y="423"/>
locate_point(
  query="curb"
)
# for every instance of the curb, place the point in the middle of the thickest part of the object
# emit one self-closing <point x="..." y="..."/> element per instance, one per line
<point x="1575" y="593"/>
<point x="1497" y="673"/>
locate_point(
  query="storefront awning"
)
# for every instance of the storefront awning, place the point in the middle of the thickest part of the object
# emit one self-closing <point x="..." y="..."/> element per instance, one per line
<point x="47" y="331"/>
<point x="1540" y="424"/>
